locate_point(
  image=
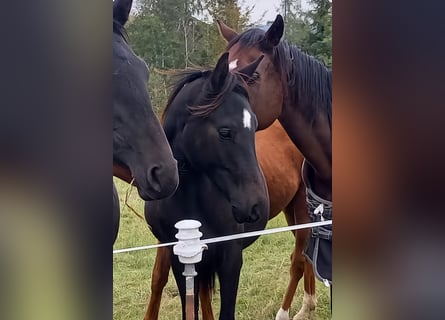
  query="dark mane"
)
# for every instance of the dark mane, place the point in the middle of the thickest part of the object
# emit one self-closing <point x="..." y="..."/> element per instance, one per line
<point x="207" y="100"/>
<point x="120" y="30"/>
<point x="308" y="81"/>
<point x="249" y="38"/>
<point x="184" y="77"/>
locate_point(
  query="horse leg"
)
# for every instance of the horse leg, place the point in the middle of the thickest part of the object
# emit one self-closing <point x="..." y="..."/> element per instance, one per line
<point x="205" y="297"/>
<point x="159" y="280"/>
<point x="309" y="298"/>
<point x="330" y="296"/>
<point x="229" y="273"/>
<point x="302" y="216"/>
<point x="116" y="213"/>
<point x="296" y="270"/>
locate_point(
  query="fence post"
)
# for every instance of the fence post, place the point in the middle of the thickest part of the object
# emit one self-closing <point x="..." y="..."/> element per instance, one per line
<point x="189" y="251"/>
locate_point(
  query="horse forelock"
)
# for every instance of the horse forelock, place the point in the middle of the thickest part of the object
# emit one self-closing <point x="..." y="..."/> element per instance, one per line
<point x="249" y="38"/>
<point x="207" y="99"/>
<point x="181" y="79"/>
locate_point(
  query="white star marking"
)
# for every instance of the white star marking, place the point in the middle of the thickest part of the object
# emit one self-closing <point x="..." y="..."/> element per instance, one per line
<point x="247" y="119"/>
<point x="233" y="64"/>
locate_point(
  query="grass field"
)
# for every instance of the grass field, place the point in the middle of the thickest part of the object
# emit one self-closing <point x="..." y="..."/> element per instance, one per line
<point x="263" y="279"/>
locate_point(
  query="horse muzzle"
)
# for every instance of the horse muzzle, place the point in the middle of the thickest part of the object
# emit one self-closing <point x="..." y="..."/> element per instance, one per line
<point x="160" y="181"/>
<point x="248" y="215"/>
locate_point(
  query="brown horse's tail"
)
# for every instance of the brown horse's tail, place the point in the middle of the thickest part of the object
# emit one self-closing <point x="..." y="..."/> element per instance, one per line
<point x="207" y="280"/>
<point x="206" y="290"/>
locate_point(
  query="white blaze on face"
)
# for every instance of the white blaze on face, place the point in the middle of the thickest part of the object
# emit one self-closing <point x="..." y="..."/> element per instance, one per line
<point x="233" y="64"/>
<point x="247" y="119"/>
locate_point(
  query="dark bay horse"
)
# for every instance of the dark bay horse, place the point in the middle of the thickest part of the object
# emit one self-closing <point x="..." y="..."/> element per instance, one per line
<point x="281" y="164"/>
<point x="211" y="129"/>
<point x="140" y="148"/>
<point x="296" y="89"/>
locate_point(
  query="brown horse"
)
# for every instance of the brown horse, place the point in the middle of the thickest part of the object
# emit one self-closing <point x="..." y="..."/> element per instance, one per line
<point x="296" y="89"/>
<point x="281" y="164"/>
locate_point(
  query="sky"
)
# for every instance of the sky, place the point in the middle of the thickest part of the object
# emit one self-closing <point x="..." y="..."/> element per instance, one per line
<point x="270" y="6"/>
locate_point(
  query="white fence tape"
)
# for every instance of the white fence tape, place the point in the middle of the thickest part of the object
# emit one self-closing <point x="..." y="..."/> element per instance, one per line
<point x="234" y="236"/>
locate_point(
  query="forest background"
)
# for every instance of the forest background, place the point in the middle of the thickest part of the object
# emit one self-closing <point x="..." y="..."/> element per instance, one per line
<point x="177" y="34"/>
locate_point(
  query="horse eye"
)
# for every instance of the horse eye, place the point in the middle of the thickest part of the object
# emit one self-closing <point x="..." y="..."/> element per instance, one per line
<point x="253" y="78"/>
<point x="225" y="133"/>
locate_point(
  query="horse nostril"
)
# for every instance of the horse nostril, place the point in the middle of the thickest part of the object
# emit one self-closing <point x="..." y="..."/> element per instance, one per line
<point x="255" y="213"/>
<point x="154" y="179"/>
<point x="237" y="215"/>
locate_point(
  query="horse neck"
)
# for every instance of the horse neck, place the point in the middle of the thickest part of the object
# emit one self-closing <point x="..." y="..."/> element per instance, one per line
<point x="314" y="141"/>
<point x="306" y="115"/>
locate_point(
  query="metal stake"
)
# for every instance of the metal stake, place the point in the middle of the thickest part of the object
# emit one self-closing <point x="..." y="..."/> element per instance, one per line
<point x="189" y="274"/>
<point x="189" y="251"/>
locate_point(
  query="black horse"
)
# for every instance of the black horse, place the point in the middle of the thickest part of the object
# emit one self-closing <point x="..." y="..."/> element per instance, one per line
<point x="140" y="148"/>
<point x="211" y="129"/>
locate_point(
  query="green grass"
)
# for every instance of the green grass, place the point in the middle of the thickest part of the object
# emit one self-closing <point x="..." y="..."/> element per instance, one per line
<point x="263" y="279"/>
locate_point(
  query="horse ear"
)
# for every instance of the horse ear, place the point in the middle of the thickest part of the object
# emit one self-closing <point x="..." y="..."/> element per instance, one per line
<point x="219" y="74"/>
<point x="121" y="10"/>
<point x="273" y="34"/>
<point x="227" y="32"/>
<point x="247" y="71"/>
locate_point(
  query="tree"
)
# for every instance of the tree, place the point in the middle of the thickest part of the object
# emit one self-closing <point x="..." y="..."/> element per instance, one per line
<point x="318" y="41"/>
<point x="294" y="20"/>
<point x="163" y="31"/>
<point x="311" y="30"/>
<point x="176" y="34"/>
<point x="228" y="11"/>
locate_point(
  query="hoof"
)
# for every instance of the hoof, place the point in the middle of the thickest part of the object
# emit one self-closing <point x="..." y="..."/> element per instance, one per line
<point x="301" y="315"/>
<point x="282" y="315"/>
<point x="309" y="304"/>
